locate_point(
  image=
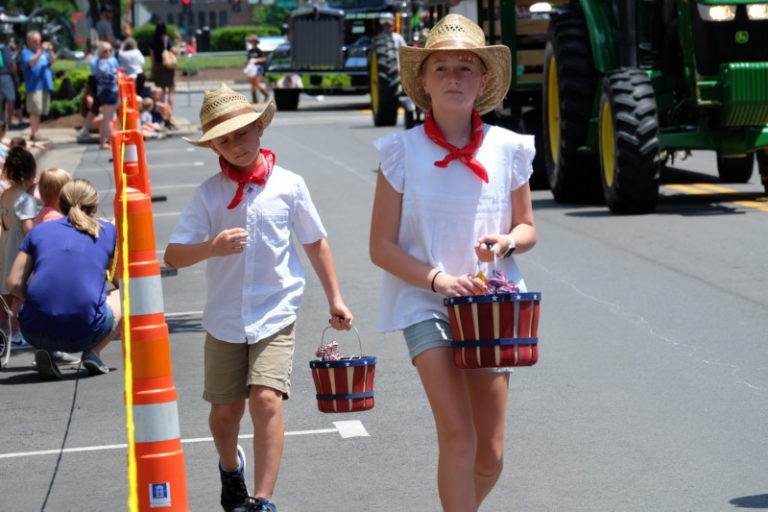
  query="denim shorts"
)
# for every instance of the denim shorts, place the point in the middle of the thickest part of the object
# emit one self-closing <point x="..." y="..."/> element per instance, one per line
<point x="434" y="333"/>
<point x="66" y="344"/>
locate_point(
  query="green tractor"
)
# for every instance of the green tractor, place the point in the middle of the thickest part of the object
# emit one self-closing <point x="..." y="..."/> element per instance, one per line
<point x="613" y="88"/>
<point x="627" y="83"/>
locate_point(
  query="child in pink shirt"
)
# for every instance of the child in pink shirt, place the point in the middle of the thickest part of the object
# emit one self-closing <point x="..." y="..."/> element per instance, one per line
<point x="51" y="182"/>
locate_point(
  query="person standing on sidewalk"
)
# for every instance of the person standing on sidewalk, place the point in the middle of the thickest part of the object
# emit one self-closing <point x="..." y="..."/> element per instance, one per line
<point x="450" y="193"/>
<point x="104" y="69"/>
<point x="240" y="221"/>
<point x="255" y="63"/>
<point x="37" y="59"/>
<point x="7" y="84"/>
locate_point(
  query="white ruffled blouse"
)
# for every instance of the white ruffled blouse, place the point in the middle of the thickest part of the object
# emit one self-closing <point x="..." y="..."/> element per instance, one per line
<point x="445" y="211"/>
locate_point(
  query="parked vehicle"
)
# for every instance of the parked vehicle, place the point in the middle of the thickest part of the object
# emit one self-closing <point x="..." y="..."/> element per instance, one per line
<point x="343" y="39"/>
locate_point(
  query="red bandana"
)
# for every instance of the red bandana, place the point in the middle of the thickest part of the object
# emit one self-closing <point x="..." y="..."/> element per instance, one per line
<point x="257" y="175"/>
<point x="465" y="154"/>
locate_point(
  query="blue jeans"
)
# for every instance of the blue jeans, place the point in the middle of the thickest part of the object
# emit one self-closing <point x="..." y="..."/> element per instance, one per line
<point x="68" y="344"/>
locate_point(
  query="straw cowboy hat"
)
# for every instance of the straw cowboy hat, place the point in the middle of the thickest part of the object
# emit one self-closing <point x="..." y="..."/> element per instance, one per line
<point x="455" y="32"/>
<point x="224" y="111"/>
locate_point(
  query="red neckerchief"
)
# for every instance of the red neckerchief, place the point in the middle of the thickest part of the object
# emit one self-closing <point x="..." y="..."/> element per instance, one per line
<point x="257" y="175"/>
<point x="465" y="154"/>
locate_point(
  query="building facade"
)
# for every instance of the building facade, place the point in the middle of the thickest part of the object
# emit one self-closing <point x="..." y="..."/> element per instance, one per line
<point x="193" y="15"/>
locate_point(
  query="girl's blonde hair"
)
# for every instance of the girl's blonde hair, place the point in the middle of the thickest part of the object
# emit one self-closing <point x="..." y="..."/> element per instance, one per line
<point x="78" y="201"/>
<point x="51" y="182"/>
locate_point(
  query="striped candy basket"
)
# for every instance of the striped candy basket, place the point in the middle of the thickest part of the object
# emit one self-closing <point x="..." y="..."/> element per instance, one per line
<point x="492" y="331"/>
<point x="345" y="385"/>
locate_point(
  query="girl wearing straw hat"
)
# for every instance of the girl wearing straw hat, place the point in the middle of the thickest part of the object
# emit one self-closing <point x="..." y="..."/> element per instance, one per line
<point x="450" y="193"/>
<point x="240" y="220"/>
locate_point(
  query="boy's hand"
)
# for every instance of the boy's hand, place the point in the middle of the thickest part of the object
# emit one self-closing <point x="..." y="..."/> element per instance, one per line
<point x="341" y="317"/>
<point x="229" y="241"/>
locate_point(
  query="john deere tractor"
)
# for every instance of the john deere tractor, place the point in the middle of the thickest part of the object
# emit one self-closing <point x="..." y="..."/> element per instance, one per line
<point x="621" y="85"/>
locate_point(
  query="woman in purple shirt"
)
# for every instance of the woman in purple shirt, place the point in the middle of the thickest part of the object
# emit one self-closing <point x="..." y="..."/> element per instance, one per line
<point x="66" y="304"/>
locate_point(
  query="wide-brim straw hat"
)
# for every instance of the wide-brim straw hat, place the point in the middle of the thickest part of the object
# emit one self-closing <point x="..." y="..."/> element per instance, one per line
<point x="455" y="32"/>
<point x="224" y="111"/>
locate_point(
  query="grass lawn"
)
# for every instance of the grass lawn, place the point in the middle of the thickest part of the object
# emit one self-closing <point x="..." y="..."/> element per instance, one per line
<point x="198" y="61"/>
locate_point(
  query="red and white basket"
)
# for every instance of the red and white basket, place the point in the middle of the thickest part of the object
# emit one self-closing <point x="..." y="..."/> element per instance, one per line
<point x="346" y="384"/>
<point x="493" y="331"/>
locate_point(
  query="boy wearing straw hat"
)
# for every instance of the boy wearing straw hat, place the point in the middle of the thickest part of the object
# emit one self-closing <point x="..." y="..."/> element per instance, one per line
<point x="240" y="221"/>
<point x="451" y="193"/>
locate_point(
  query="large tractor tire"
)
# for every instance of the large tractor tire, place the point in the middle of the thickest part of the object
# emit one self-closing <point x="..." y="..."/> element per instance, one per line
<point x="762" y="167"/>
<point x="629" y="142"/>
<point x="531" y="124"/>
<point x="570" y="84"/>
<point x="384" y="81"/>
<point x="286" y="99"/>
<point x="736" y="169"/>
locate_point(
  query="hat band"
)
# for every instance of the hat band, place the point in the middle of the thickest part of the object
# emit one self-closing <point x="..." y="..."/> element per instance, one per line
<point x="224" y="117"/>
<point x="453" y="43"/>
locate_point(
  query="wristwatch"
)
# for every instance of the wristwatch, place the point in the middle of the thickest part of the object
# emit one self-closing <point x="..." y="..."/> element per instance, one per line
<point x="511" y="247"/>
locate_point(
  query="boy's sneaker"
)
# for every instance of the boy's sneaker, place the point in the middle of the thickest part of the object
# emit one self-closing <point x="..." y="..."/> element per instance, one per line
<point x="94" y="364"/>
<point x="234" y="492"/>
<point x="263" y="505"/>
<point x="46" y="366"/>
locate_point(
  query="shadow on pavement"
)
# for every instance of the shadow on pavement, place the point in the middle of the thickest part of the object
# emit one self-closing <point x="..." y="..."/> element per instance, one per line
<point x="186" y="323"/>
<point x="756" y="501"/>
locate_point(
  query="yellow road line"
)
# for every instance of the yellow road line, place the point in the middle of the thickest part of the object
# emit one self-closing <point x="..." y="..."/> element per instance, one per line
<point x="686" y="189"/>
<point x="760" y="203"/>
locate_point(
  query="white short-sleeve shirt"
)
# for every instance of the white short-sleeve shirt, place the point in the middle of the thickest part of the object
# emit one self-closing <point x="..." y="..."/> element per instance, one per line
<point x="253" y="294"/>
<point x="445" y="211"/>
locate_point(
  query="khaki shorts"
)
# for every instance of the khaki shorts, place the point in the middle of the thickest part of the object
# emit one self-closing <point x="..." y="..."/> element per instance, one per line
<point x="38" y="102"/>
<point x="231" y="368"/>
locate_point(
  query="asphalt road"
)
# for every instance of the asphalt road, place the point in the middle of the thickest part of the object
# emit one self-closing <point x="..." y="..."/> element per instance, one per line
<point x="650" y="393"/>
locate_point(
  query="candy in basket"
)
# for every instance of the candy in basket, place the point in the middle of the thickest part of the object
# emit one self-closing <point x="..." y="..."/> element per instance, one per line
<point x="497" y="329"/>
<point x="343" y="384"/>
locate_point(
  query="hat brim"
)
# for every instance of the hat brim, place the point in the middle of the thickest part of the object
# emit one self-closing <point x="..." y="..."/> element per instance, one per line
<point x="235" y="123"/>
<point x="498" y="65"/>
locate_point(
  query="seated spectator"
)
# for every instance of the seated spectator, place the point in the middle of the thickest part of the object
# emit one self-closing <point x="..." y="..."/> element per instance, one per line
<point x="49" y="186"/>
<point x="162" y="112"/>
<point x="149" y="129"/>
<point x="70" y="310"/>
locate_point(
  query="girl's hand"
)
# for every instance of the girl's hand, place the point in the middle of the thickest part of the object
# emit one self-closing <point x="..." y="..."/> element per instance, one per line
<point x="341" y="317"/>
<point x="229" y="241"/>
<point x="498" y="246"/>
<point x="454" y="286"/>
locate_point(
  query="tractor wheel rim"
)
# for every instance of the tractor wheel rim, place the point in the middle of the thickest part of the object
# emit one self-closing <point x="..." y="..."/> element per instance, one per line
<point x="374" y="82"/>
<point x="553" y="110"/>
<point x="607" y="144"/>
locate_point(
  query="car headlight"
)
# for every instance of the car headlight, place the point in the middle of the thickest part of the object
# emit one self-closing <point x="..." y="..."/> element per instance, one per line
<point x="757" y="11"/>
<point x="717" y="12"/>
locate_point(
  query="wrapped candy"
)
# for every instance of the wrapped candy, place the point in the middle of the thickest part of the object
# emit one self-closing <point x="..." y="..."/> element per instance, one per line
<point x="329" y="352"/>
<point x="498" y="284"/>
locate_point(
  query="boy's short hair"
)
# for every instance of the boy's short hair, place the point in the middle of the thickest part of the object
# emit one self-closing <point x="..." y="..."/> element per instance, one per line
<point x="51" y="182"/>
<point x="147" y="103"/>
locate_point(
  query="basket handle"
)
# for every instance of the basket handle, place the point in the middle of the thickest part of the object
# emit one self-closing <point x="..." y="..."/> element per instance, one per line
<point x="357" y="333"/>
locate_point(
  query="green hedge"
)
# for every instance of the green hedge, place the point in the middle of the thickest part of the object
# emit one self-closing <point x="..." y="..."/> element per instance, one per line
<point x="233" y="38"/>
<point x="61" y="108"/>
